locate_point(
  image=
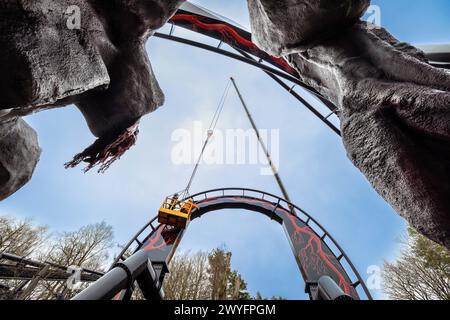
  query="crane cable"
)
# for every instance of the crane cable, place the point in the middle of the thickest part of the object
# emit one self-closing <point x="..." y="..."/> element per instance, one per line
<point x="212" y="126"/>
<point x="210" y="133"/>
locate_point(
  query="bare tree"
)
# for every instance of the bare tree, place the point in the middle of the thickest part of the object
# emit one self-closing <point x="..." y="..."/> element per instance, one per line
<point x="422" y="272"/>
<point x="85" y="248"/>
<point x="188" y="277"/>
<point x="21" y="237"/>
<point x="204" y="276"/>
<point x="199" y="276"/>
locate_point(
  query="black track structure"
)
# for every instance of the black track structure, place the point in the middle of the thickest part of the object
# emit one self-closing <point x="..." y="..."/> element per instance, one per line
<point x="28" y="274"/>
<point x="226" y="31"/>
<point x="326" y="269"/>
<point x="318" y="255"/>
<point x="213" y="25"/>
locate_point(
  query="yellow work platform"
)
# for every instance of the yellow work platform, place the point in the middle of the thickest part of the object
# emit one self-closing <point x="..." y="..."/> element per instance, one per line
<point x="176" y="213"/>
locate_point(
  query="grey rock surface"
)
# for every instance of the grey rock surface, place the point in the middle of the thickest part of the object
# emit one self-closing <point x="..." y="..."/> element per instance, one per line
<point x="46" y="61"/>
<point x="395" y="119"/>
<point x="133" y="90"/>
<point x="50" y="65"/>
<point x="392" y="104"/>
<point x="280" y="27"/>
<point x="19" y="155"/>
<point x="394" y="107"/>
<point x="113" y="114"/>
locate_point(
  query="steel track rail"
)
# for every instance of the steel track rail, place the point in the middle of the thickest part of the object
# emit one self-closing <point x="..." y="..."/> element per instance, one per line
<point x="269" y="197"/>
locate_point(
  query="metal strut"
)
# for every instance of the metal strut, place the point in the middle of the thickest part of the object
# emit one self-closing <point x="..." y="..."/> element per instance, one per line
<point x="274" y="73"/>
<point x="161" y="243"/>
<point x="303" y="101"/>
<point x="261" y="142"/>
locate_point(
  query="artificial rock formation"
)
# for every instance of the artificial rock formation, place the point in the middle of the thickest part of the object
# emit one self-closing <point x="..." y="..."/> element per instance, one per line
<point x="288" y="26"/>
<point x="19" y="154"/>
<point x="393" y="106"/>
<point x="101" y="66"/>
<point x="113" y="114"/>
<point x="44" y="58"/>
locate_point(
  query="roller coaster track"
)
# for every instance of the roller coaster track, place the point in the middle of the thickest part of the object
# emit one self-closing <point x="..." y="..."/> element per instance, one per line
<point x="225" y="31"/>
<point x="28" y="274"/>
<point x="213" y="25"/>
<point x="316" y="252"/>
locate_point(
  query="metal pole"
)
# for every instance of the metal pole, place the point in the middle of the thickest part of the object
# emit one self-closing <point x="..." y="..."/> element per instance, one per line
<point x="252" y="62"/>
<point x="120" y="277"/>
<point x="106" y="287"/>
<point x="263" y="146"/>
<point x="300" y="98"/>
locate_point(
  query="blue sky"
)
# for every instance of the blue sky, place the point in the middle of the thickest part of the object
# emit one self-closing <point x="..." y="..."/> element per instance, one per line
<point x="313" y="162"/>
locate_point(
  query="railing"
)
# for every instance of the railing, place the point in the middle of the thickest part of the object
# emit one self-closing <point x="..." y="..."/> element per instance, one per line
<point x="275" y="200"/>
<point x="309" y="221"/>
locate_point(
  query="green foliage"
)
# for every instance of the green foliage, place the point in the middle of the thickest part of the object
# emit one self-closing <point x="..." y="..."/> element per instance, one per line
<point x="422" y="272"/>
<point x="206" y="276"/>
<point x="433" y="254"/>
<point x="199" y="276"/>
<point x="219" y="272"/>
<point x="258" y="296"/>
<point x="237" y="287"/>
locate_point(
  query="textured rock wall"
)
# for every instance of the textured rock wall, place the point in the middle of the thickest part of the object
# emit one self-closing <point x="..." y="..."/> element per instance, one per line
<point x="46" y="61"/>
<point x="281" y="27"/>
<point x="19" y="154"/>
<point x="102" y="67"/>
<point x="113" y="114"/>
<point x="393" y="106"/>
